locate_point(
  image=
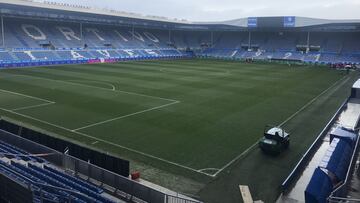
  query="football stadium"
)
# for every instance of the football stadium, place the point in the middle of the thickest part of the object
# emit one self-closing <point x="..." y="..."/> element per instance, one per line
<point x="101" y="105"/>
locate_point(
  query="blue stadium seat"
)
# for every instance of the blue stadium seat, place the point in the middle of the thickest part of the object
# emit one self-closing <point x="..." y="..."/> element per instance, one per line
<point x="16" y="150"/>
<point x="78" y="181"/>
<point x="36" y="176"/>
<point x="33" y="41"/>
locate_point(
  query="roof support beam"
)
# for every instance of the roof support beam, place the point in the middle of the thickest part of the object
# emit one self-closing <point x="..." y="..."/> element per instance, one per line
<point x="212" y="39"/>
<point x="249" y="43"/>
<point x="2" y="31"/>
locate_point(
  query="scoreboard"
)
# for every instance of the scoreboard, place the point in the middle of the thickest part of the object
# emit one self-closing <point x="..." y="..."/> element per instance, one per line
<point x="289" y="21"/>
<point x="252" y="22"/>
<point x="271" y="22"/>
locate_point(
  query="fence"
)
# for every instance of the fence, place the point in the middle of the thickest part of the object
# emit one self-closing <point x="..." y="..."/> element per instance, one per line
<point x="34" y="63"/>
<point x="128" y="189"/>
<point x="100" y="159"/>
<point x="11" y="191"/>
<point x="339" y="193"/>
<point x="309" y="153"/>
<point x="341" y="200"/>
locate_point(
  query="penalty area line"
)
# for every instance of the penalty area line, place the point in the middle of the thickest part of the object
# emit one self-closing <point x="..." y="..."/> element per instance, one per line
<point x="27" y="96"/>
<point x="110" y="143"/>
<point x="47" y="102"/>
<point x="125" y="116"/>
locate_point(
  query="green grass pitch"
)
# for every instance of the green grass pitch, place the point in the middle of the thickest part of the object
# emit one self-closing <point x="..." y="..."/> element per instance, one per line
<point x="194" y="115"/>
<point x="199" y="114"/>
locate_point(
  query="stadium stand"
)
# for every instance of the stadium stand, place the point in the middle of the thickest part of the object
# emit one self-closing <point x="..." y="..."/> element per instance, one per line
<point x="36" y="172"/>
<point x="34" y="41"/>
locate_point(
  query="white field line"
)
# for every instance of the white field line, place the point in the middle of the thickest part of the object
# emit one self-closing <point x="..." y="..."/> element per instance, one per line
<point x="33" y="106"/>
<point x="288" y="119"/>
<point x="227" y="72"/>
<point x="208" y="169"/>
<point x="24" y="95"/>
<point x="109" y="143"/>
<point x="236" y="158"/>
<point x="101" y="140"/>
<point x="312" y="101"/>
<point x="94" y="81"/>
<point x="6" y="77"/>
<point x="47" y="102"/>
<point x="95" y="87"/>
<point x="125" y="116"/>
<point x="148" y="155"/>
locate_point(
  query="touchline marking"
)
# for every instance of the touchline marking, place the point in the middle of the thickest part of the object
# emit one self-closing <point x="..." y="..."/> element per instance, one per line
<point x="288" y="119"/>
<point x="125" y="116"/>
<point x="236" y="158"/>
<point x="312" y="101"/>
<point x="95" y="87"/>
<point x="109" y="143"/>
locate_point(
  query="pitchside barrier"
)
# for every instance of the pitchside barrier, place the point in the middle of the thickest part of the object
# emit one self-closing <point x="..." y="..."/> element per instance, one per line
<point x="19" y="64"/>
<point x="120" y="186"/>
<point x="270" y="60"/>
<point x="16" y="192"/>
<point x="106" y="161"/>
<point x="340" y="193"/>
<point x="301" y="165"/>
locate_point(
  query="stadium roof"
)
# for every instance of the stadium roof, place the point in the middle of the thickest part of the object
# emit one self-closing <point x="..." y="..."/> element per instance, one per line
<point x="300" y="22"/>
<point x="86" y="9"/>
<point x="66" y="12"/>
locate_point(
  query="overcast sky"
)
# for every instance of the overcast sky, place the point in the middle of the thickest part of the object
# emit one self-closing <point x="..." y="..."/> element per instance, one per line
<point x="217" y="10"/>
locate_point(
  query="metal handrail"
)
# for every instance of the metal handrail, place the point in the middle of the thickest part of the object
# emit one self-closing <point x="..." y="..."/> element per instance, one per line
<point x="340" y="199"/>
<point x="31" y="182"/>
<point x="349" y="172"/>
<point x="303" y="160"/>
